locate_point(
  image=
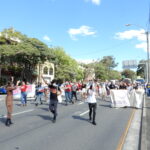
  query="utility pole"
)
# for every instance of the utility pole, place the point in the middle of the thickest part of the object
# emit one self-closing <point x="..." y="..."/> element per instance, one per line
<point x="148" y="65"/>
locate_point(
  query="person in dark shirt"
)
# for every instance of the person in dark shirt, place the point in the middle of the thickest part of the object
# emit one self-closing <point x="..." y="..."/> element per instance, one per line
<point x="123" y="86"/>
<point x="112" y="86"/>
<point x="54" y="92"/>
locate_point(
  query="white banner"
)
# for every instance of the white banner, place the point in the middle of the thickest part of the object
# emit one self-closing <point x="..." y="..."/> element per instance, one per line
<point x="122" y="98"/>
<point x="119" y="98"/>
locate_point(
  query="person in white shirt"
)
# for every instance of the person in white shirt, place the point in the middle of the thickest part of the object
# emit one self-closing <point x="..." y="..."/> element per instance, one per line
<point x="91" y="99"/>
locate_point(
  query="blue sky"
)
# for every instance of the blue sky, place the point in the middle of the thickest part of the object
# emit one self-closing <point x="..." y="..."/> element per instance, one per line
<point x="86" y="29"/>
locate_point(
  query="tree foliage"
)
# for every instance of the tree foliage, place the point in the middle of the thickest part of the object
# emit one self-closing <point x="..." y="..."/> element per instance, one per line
<point x="128" y="74"/>
<point x="141" y="69"/>
<point x="66" y="67"/>
<point x="22" y="52"/>
<point x="104" y="68"/>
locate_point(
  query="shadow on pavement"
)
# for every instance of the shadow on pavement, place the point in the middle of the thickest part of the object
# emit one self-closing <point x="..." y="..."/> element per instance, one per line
<point x="80" y="118"/>
<point x="108" y="106"/>
<point x="45" y="117"/>
<point x="2" y="120"/>
<point x="45" y="109"/>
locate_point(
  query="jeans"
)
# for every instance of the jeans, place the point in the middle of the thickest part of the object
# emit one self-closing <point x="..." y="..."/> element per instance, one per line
<point x="92" y="108"/>
<point x="68" y="96"/>
<point x="53" y="107"/>
<point x="74" y="93"/>
<point x="23" y="97"/>
<point x="39" y="98"/>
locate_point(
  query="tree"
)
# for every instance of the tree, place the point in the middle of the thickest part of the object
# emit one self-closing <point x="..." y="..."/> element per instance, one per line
<point x="141" y="69"/>
<point x="66" y="68"/>
<point x="22" y="52"/>
<point x="109" y="62"/>
<point x="128" y="74"/>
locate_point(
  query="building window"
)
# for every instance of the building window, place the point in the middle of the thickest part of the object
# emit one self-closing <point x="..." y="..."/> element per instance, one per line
<point x="51" y="71"/>
<point x="45" y="70"/>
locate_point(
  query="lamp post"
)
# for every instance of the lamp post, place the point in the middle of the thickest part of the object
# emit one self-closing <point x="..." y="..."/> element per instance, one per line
<point x="147" y="44"/>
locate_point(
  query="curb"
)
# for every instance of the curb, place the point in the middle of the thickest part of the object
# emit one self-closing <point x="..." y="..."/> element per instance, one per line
<point x="143" y="137"/>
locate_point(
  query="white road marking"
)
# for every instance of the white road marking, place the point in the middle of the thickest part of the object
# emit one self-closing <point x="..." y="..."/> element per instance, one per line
<point x="22" y="112"/>
<point x="81" y="103"/>
<point x="82" y="114"/>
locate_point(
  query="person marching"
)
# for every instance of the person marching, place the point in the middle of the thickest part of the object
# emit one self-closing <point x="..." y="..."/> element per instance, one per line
<point x="39" y="94"/>
<point x="91" y="99"/>
<point x="74" y="91"/>
<point x="68" y="91"/>
<point x="54" y="93"/>
<point x="9" y="102"/>
<point x="23" y="89"/>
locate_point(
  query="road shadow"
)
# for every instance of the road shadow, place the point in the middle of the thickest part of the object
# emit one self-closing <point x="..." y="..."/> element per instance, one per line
<point x="2" y="120"/>
<point x="80" y="118"/>
<point x="108" y="106"/>
<point x="45" y="109"/>
<point x="45" y="117"/>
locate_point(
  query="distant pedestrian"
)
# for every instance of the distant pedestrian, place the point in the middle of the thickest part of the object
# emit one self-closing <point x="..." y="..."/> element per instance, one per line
<point x="23" y="89"/>
<point x="68" y="90"/>
<point x="74" y="91"/>
<point x="39" y="94"/>
<point x="91" y="99"/>
<point x="9" y="102"/>
<point x="84" y="91"/>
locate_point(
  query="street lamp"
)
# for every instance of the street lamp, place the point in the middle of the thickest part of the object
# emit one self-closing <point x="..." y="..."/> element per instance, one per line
<point x="147" y="43"/>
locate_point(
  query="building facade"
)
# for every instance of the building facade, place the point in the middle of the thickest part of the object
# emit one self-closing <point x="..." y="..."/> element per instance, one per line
<point x="47" y="71"/>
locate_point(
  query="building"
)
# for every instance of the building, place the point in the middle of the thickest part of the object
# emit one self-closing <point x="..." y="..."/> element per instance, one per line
<point x="46" y="70"/>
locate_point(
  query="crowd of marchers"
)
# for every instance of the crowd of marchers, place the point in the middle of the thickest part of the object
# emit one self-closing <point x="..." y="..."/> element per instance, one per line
<point x="70" y="92"/>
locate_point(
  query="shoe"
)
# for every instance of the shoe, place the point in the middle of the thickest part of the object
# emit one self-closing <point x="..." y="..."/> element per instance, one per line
<point x="7" y="123"/>
<point x="36" y="104"/>
<point x="41" y="103"/>
<point x="54" y="120"/>
<point x="10" y="122"/>
<point x="90" y="119"/>
<point x="94" y="123"/>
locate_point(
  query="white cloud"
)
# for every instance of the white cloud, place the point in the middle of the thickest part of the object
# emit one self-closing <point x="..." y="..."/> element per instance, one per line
<point x="142" y="46"/>
<point x="82" y="31"/>
<point x="96" y="2"/>
<point x="46" y="38"/>
<point x="140" y="35"/>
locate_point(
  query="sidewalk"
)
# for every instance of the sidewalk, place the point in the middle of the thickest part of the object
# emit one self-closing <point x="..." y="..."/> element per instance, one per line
<point x="145" y="128"/>
<point x="148" y="122"/>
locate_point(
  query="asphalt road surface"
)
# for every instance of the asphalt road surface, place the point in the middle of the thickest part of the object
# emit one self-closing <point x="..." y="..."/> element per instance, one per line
<point x="33" y="128"/>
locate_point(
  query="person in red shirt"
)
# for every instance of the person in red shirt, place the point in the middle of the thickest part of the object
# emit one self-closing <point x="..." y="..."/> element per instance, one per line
<point x="23" y="89"/>
<point x="68" y="91"/>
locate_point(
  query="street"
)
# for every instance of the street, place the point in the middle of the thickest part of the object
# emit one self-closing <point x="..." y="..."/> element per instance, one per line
<point x="34" y="130"/>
